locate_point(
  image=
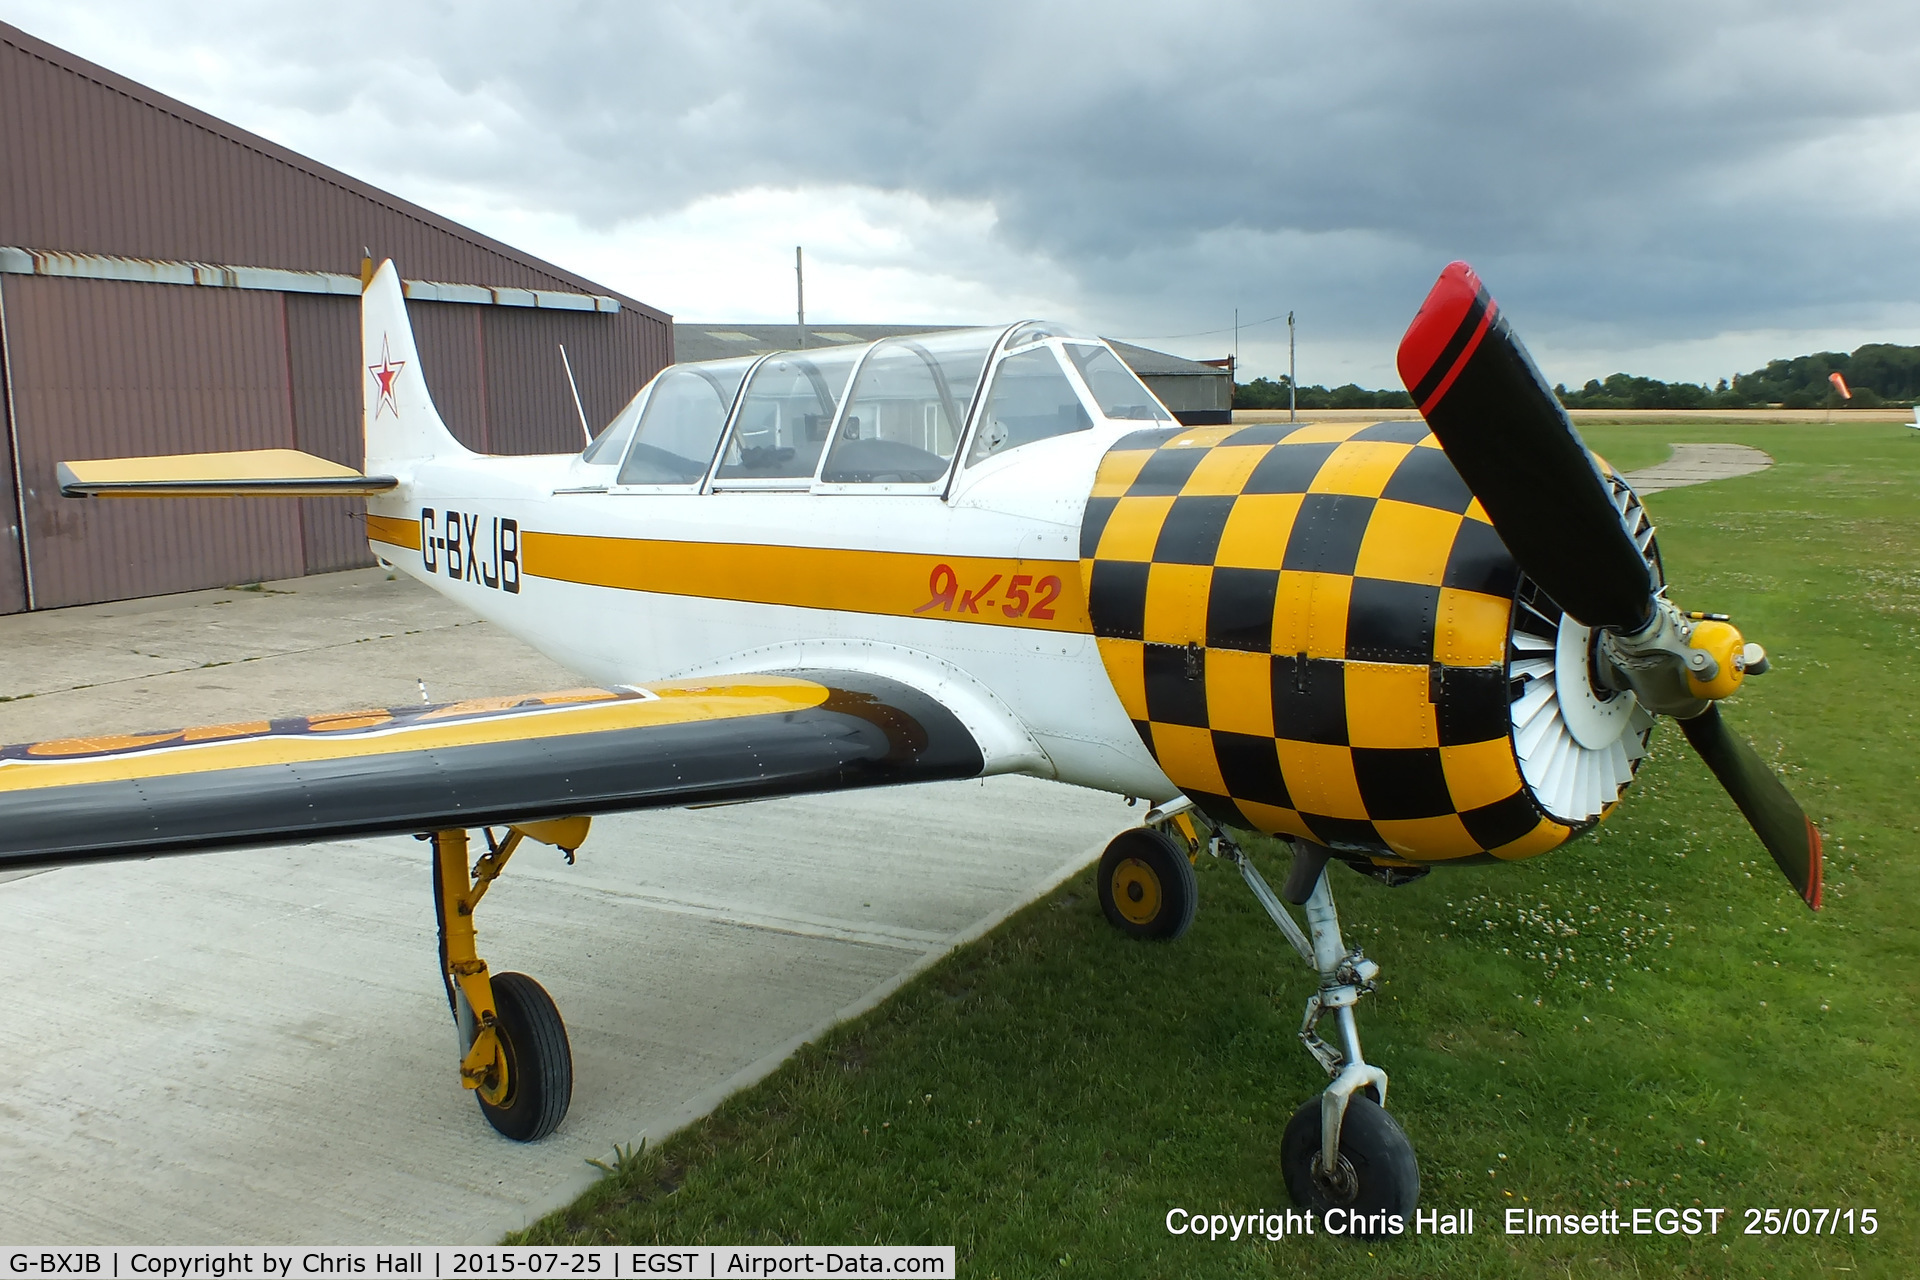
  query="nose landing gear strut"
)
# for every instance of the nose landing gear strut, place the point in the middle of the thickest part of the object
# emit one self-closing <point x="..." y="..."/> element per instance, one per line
<point x="1341" y="1151"/>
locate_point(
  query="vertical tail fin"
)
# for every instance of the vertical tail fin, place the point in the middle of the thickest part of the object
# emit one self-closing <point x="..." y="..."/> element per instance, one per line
<point x="397" y="414"/>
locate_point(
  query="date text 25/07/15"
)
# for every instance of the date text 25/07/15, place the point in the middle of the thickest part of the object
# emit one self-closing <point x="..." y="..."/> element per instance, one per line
<point x="471" y="547"/>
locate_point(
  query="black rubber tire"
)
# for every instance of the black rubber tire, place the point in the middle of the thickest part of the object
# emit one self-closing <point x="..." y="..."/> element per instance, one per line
<point x="1386" y="1175"/>
<point x="1144" y="865"/>
<point x="539" y="1060"/>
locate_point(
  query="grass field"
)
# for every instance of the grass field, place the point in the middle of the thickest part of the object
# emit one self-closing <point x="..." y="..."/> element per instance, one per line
<point x="1644" y="1019"/>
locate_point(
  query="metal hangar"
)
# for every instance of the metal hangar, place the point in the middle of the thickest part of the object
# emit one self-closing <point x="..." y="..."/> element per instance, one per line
<point x="170" y="283"/>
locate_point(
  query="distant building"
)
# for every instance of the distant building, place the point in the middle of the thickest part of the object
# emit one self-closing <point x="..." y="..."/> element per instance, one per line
<point x="1197" y="393"/>
<point x="170" y="283"/>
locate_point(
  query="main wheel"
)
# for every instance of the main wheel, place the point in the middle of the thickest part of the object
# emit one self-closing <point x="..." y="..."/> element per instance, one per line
<point x="1147" y="888"/>
<point x="539" y="1060"/>
<point x="1377" y="1173"/>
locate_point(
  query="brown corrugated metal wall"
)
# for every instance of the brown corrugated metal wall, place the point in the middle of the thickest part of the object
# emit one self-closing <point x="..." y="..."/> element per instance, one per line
<point x="323" y="359"/>
<point x="452" y="357"/>
<point x="103" y="368"/>
<point x="13" y="586"/>
<point x="524" y="375"/>
<point x="95" y="163"/>
<point x="99" y="164"/>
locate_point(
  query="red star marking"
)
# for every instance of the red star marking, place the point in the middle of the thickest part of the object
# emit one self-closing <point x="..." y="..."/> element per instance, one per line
<point x="385" y="373"/>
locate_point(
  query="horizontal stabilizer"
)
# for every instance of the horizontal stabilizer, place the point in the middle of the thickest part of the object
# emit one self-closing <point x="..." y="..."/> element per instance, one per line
<point x="249" y="473"/>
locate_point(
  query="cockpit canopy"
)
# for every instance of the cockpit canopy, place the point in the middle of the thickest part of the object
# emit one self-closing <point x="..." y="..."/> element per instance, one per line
<point x="890" y="413"/>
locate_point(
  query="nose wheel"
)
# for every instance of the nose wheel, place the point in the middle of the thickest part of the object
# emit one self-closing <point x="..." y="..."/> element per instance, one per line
<point x="1374" y="1178"/>
<point x="1342" y="1155"/>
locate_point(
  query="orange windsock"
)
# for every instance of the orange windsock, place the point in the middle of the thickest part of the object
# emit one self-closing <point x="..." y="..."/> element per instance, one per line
<point x="1840" y="385"/>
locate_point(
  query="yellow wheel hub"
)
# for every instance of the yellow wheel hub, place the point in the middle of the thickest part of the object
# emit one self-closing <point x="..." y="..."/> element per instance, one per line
<point x="1136" y="891"/>
<point x="493" y="1085"/>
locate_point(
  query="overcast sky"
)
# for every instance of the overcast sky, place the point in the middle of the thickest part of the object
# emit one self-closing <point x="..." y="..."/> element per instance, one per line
<point x="1676" y="189"/>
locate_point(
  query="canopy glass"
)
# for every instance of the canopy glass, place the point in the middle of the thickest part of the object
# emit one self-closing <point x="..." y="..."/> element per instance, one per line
<point x="892" y="412"/>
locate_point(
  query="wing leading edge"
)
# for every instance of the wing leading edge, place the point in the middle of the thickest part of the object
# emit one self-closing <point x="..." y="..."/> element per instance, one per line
<point x="471" y="764"/>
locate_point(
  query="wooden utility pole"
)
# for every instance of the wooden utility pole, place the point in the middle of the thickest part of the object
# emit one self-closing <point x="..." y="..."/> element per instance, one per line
<point x="1293" y="384"/>
<point x="800" y="295"/>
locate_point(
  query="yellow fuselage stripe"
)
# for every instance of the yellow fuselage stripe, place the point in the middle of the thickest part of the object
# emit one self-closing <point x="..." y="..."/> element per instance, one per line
<point x="1040" y="594"/>
<point x="395" y="533"/>
<point x="682" y="702"/>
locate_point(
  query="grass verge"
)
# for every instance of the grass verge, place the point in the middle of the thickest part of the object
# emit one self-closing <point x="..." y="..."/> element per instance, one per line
<point x="1647" y="1018"/>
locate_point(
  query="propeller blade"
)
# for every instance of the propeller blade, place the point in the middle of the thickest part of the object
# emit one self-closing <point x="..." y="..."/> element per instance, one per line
<point x="1776" y="817"/>
<point x="1513" y="444"/>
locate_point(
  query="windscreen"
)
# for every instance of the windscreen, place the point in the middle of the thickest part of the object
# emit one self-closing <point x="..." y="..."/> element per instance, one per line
<point x="908" y="407"/>
<point x="680" y="425"/>
<point x="1030" y="399"/>
<point x="607" y="447"/>
<point x="1115" y="388"/>
<point x="786" y="414"/>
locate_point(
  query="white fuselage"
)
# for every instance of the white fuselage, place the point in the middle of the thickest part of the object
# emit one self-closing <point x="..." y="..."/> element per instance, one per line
<point x="1036" y="697"/>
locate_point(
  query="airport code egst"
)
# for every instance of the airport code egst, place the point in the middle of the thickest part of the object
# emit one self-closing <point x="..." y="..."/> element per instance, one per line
<point x="601" y="1262"/>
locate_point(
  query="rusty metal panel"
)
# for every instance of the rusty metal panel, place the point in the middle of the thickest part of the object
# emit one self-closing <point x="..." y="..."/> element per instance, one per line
<point x="106" y="369"/>
<point x="323" y="367"/>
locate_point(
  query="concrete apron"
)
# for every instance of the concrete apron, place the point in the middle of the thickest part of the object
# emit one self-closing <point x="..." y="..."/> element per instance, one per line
<point x="254" y="1046"/>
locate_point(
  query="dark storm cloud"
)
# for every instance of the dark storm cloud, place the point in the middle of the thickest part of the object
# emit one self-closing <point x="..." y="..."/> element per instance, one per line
<point x="1622" y="172"/>
<point x="1658" y="166"/>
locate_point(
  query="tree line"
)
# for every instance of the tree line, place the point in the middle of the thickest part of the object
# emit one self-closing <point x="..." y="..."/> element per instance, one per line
<point x="1267" y="393"/>
<point x="1878" y="374"/>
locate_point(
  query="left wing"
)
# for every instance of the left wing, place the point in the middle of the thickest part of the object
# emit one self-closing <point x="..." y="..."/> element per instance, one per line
<point x="470" y="764"/>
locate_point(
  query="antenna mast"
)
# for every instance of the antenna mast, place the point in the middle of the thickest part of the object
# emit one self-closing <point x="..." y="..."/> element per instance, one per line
<point x="567" y="364"/>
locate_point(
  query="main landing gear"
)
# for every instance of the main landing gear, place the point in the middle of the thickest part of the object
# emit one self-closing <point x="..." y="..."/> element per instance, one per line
<point x="513" y="1046"/>
<point x="1341" y="1151"/>
<point x="1147" y="889"/>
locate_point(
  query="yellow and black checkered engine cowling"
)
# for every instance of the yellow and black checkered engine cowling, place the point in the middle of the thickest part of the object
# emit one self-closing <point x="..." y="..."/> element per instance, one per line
<point x="1309" y="628"/>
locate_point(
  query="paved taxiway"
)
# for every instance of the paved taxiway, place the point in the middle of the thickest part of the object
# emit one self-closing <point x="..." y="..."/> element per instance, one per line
<point x="1697" y="464"/>
<point x="254" y="1047"/>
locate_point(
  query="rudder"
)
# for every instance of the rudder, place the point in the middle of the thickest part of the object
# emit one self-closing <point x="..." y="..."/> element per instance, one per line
<point x="398" y="417"/>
